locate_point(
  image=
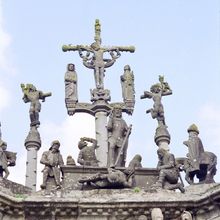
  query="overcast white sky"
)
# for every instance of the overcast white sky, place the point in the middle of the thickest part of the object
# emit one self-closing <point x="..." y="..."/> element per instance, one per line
<point x="175" y="38"/>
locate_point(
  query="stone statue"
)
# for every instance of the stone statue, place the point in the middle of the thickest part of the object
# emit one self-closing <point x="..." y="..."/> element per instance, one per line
<point x="4" y="161"/>
<point x="71" y="93"/>
<point x="156" y="92"/>
<point x="70" y="161"/>
<point x="127" y="84"/>
<point x="135" y="162"/>
<point x="113" y="179"/>
<point x="186" y="216"/>
<point x="32" y="95"/>
<point x="168" y="172"/>
<point x="52" y="159"/>
<point x="156" y="214"/>
<point x="87" y="156"/>
<point x="97" y="61"/>
<point x="118" y="133"/>
<point x="93" y="55"/>
<point x="199" y="163"/>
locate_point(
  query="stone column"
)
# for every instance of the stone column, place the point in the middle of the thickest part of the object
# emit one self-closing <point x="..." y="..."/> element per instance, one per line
<point x="32" y="144"/>
<point x="101" y="137"/>
<point x="162" y="137"/>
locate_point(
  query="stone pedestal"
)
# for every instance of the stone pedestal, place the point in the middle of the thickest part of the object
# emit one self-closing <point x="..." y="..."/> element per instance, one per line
<point x="32" y="144"/>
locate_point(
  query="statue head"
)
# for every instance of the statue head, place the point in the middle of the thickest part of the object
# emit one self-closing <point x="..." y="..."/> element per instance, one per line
<point x="95" y="46"/>
<point x="71" y="67"/>
<point x="117" y="111"/>
<point x="193" y="128"/>
<point x="31" y="87"/>
<point x="127" y="67"/>
<point x="156" y="214"/>
<point x="156" y="88"/>
<point x="3" y="145"/>
<point x="161" y="152"/>
<point x="55" y="145"/>
<point x="113" y="177"/>
<point x="82" y="144"/>
<point x="137" y="157"/>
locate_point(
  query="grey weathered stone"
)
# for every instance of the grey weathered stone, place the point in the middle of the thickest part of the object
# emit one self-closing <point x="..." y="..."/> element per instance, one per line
<point x="52" y="159"/>
<point x="32" y="95"/>
<point x="199" y="163"/>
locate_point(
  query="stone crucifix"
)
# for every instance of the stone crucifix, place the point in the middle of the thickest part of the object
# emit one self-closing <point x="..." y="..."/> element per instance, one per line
<point x="93" y="55"/>
<point x="98" y="58"/>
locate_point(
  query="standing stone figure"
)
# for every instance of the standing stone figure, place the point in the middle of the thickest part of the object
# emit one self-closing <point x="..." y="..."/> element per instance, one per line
<point x="7" y="158"/>
<point x="195" y="147"/>
<point x="87" y="156"/>
<point x="117" y="138"/>
<point x="32" y="95"/>
<point x="156" y="92"/>
<point x="52" y="159"/>
<point x="198" y="162"/>
<point x="4" y="161"/>
<point x="71" y="93"/>
<point x="168" y="171"/>
<point x="127" y="83"/>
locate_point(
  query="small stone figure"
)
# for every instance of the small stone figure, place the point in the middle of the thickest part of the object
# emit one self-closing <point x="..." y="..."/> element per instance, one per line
<point x="156" y="214"/>
<point x="168" y="172"/>
<point x="7" y="158"/>
<point x="87" y="156"/>
<point x="186" y="216"/>
<point x="52" y="160"/>
<point x="4" y="161"/>
<point x="32" y="95"/>
<point x="71" y="94"/>
<point x="118" y="133"/>
<point x="199" y="163"/>
<point x="127" y="84"/>
<point x="135" y="162"/>
<point x="156" y="92"/>
<point x="70" y="161"/>
<point x="113" y="179"/>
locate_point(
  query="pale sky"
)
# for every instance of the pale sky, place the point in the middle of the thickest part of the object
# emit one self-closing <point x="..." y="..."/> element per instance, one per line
<point x="175" y="38"/>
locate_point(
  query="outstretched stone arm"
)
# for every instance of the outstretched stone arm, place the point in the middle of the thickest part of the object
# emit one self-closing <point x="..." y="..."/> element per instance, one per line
<point x="146" y="94"/>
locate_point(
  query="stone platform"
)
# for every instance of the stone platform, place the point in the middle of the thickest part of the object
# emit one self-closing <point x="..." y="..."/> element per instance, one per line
<point x="203" y="201"/>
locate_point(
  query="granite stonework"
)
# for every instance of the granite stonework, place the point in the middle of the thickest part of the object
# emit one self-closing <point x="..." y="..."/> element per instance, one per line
<point x="143" y="178"/>
<point x="202" y="201"/>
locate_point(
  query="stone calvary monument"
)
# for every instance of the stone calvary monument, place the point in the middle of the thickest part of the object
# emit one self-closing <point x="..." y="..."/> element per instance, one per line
<point x="100" y="184"/>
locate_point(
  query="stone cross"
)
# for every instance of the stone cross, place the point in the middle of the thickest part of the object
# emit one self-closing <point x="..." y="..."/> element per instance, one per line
<point x="98" y="58"/>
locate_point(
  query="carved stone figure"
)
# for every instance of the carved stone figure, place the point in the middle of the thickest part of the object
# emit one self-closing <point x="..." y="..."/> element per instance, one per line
<point x="93" y="55"/>
<point x="7" y="158"/>
<point x="156" y="92"/>
<point x="113" y="179"/>
<point x="97" y="61"/>
<point x="168" y="172"/>
<point x="71" y="93"/>
<point x="87" y="156"/>
<point x="32" y="95"/>
<point x="52" y="159"/>
<point x="199" y="163"/>
<point x="70" y="161"/>
<point x="156" y="214"/>
<point x="118" y="133"/>
<point x="186" y="216"/>
<point x="127" y="83"/>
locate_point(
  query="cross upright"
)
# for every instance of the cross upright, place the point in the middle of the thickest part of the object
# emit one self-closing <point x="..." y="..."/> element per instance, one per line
<point x="98" y="58"/>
